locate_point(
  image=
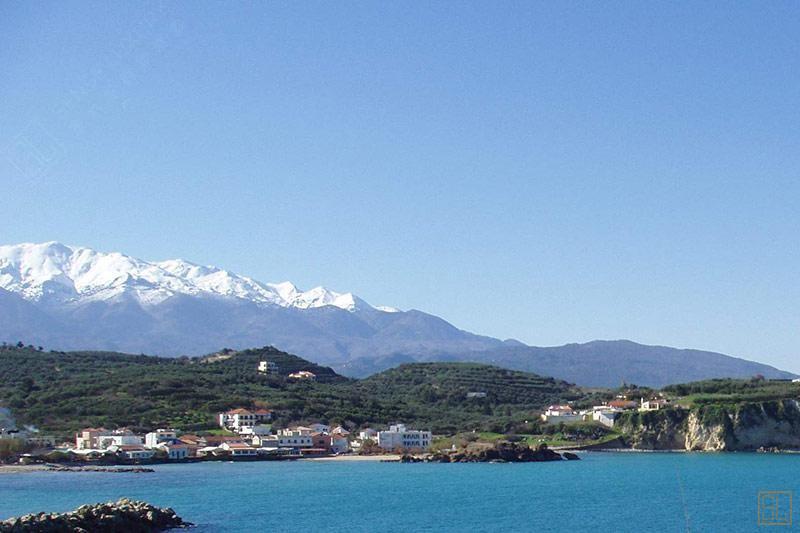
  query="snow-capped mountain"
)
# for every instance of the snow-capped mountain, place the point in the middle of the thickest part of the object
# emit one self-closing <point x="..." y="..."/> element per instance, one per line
<point x="70" y="297"/>
<point x="73" y="298"/>
<point x="53" y="273"/>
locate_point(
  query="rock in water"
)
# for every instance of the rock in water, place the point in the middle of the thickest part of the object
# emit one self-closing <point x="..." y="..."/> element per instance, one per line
<point x="125" y="515"/>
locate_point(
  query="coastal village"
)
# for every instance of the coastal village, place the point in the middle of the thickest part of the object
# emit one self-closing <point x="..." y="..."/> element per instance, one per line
<point x="254" y="430"/>
<point x="248" y="434"/>
<point x="243" y="433"/>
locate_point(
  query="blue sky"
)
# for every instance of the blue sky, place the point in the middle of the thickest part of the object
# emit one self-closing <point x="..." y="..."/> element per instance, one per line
<point x="549" y="172"/>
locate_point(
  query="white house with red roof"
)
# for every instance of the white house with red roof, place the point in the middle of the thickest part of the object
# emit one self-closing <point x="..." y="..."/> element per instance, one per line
<point x="238" y="449"/>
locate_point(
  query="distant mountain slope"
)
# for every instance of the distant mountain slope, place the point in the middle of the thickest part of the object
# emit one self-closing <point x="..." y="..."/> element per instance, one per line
<point x="74" y="298"/>
<point x="62" y="392"/>
<point x="597" y="363"/>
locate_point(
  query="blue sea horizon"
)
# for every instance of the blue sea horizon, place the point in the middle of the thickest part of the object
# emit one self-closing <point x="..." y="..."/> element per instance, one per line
<point x="619" y="492"/>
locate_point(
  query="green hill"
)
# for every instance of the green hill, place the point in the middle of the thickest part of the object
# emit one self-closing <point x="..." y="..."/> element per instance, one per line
<point x="62" y="392"/>
<point x="439" y="393"/>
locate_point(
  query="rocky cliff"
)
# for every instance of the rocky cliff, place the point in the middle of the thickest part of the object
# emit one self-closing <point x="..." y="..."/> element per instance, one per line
<point x="716" y="427"/>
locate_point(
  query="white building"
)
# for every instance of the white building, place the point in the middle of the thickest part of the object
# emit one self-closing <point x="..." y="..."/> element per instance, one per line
<point x="86" y="439"/>
<point x="339" y="443"/>
<point x="236" y="419"/>
<point x="399" y="437"/>
<point x="251" y="431"/>
<point x="367" y="434"/>
<point x="653" y="404"/>
<point x="238" y="449"/>
<point x="267" y="367"/>
<point x="320" y="428"/>
<point x="297" y="430"/>
<point x="154" y="438"/>
<point x="303" y="374"/>
<point x="175" y="452"/>
<point x="120" y="437"/>
<point x="132" y="451"/>
<point x="294" y="439"/>
<point x="560" y="414"/>
<point x="605" y="415"/>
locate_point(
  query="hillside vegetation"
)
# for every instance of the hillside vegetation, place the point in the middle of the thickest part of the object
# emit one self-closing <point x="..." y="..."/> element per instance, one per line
<point x="63" y="391"/>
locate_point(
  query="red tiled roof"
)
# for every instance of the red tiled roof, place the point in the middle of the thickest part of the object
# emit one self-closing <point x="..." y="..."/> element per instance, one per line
<point x="239" y="446"/>
<point x="219" y="439"/>
<point x="239" y="411"/>
<point x="621" y="403"/>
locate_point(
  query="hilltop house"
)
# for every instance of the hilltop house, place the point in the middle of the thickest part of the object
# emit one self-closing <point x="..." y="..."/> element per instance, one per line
<point x="303" y="374"/>
<point x="268" y="367"/>
<point x="398" y="437"/>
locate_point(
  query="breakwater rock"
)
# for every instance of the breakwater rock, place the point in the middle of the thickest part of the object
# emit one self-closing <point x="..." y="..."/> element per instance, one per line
<point x="112" y="469"/>
<point x="504" y="452"/>
<point x="124" y="515"/>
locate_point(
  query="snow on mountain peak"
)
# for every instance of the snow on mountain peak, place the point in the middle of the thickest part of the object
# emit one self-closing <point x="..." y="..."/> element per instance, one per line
<point x="52" y="272"/>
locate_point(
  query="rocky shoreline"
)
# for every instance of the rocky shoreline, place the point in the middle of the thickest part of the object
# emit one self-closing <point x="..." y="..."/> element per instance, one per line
<point x="124" y="515"/>
<point x="504" y="452"/>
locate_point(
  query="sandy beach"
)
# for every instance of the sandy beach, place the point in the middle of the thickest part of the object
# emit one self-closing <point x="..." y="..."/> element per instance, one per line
<point x="16" y="469"/>
<point x="385" y="457"/>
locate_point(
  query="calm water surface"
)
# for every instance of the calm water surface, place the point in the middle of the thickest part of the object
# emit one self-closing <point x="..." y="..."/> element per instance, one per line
<point x="619" y="492"/>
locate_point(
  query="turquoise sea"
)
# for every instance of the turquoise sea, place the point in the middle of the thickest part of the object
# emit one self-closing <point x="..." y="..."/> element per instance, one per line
<point x="616" y="492"/>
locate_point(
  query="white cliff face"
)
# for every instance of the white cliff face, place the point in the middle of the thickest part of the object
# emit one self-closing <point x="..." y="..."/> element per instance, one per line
<point x="704" y="436"/>
<point x="53" y="273"/>
<point x="748" y="426"/>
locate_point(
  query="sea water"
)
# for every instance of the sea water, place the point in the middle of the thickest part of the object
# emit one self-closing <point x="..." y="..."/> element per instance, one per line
<point x="615" y="492"/>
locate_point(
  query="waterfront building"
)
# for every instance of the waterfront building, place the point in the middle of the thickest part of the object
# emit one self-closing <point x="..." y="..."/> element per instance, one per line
<point x="131" y="451"/>
<point x="238" y="449"/>
<point x="398" y="437"/>
<point x="175" y="452"/>
<point x="154" y="438"/>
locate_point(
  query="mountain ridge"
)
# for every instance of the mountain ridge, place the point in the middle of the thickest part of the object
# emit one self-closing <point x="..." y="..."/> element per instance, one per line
<point x="74" y="298"/>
